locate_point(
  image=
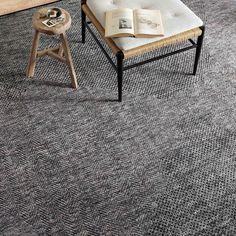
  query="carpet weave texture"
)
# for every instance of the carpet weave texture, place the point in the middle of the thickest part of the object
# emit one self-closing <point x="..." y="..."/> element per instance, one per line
<point x="76" y="162"/>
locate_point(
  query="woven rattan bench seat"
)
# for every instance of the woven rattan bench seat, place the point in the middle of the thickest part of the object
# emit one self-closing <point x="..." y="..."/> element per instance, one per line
<point x="177" y="18"/>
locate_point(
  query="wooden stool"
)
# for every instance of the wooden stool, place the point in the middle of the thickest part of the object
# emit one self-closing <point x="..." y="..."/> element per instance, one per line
<point x="61" y="52"/>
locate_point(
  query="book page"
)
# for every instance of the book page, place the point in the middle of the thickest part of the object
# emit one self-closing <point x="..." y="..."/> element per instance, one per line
<point x="148" y="22"/>
<point x="119" y="22"/>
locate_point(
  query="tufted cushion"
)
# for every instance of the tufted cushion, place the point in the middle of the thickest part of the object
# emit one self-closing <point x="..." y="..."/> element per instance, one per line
<point x="176" y="16"/>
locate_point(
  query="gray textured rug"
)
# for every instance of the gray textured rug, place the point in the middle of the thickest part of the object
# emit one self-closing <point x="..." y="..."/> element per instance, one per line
<point x="163" y="162"/>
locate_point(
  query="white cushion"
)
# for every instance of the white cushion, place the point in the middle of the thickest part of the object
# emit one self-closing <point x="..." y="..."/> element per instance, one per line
<point x="177" y="18"/>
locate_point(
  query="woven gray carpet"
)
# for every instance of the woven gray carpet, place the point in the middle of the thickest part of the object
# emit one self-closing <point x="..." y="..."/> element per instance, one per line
<point x="163" y="162"/>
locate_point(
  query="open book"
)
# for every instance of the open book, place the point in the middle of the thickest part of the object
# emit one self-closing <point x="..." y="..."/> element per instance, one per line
<point x="127" y="22"/>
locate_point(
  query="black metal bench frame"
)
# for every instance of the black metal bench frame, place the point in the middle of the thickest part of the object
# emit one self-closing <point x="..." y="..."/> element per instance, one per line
<point x="119" y="66"/>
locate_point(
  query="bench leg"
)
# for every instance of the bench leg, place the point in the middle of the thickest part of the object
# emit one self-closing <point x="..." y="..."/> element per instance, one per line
<point x="69" y="61"/>
<point x="120" y="58"/>
<point x="33" y="55"/>
<point x="198" y="49"/>
<point x="83" y="27"/>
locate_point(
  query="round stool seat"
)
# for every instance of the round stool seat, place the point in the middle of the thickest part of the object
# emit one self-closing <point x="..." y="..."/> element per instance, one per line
<point x="40" y="16"/>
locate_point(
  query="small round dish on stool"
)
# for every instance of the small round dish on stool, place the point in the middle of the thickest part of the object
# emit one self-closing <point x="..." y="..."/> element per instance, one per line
<point x="54" y="13"/>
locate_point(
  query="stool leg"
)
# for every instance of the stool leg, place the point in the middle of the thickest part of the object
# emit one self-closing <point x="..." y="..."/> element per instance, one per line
<point x="198" y="49"/>
<point x="60" y="51"/>
<point x="69" y="61"/>
<point x="120" y="57"/>
<point x="33" y="55"/>
<point x="83" y="27"/>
